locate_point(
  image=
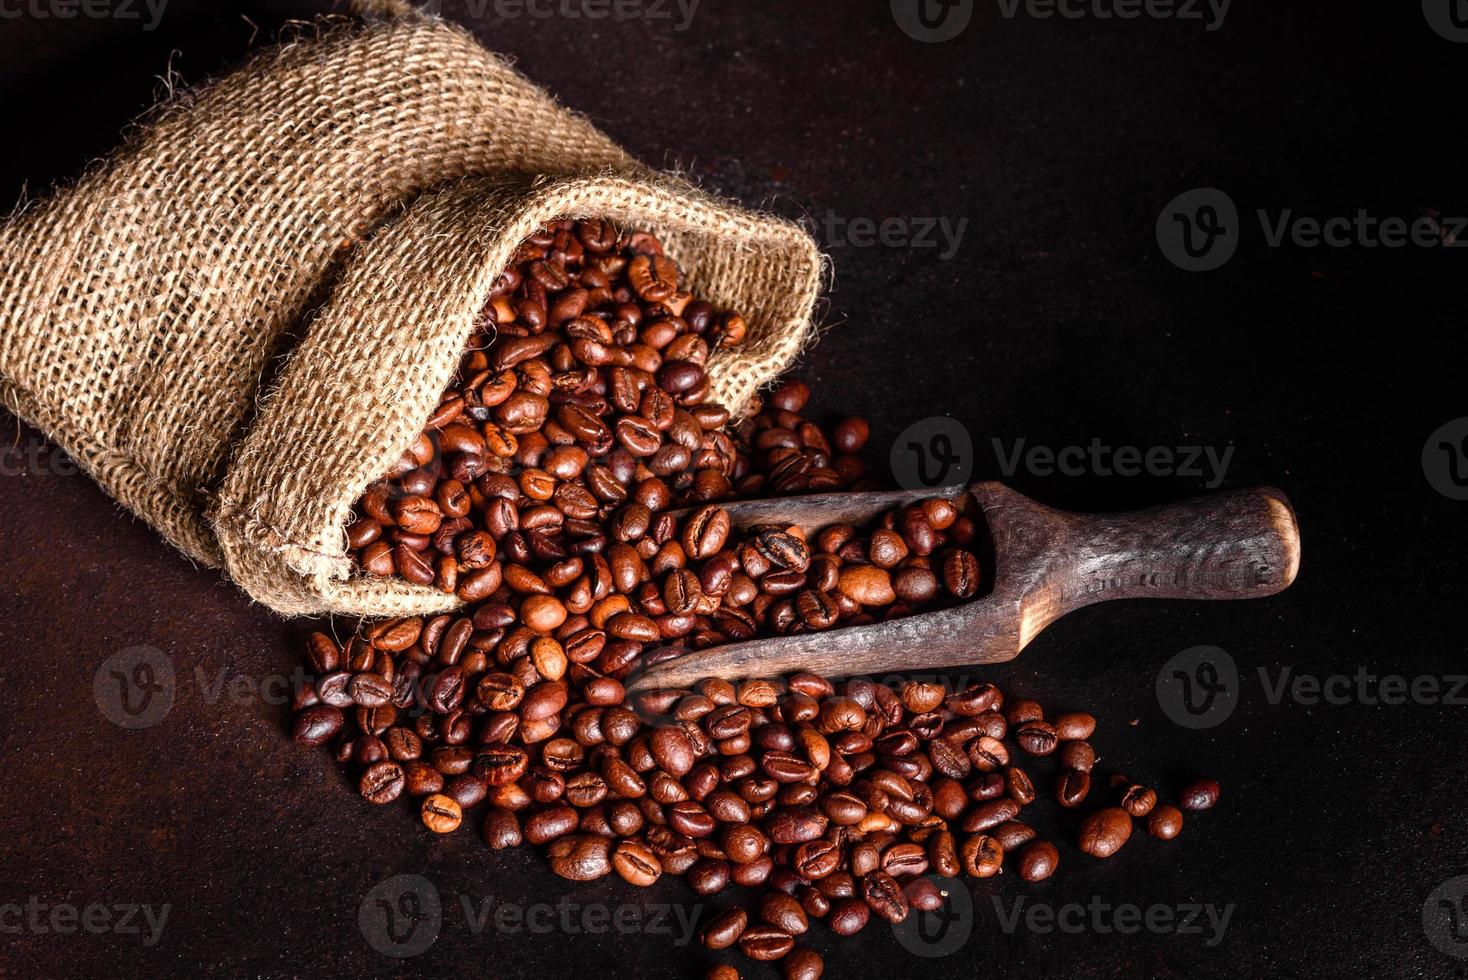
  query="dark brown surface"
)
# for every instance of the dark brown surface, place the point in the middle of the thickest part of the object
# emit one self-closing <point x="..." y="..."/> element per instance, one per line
<point x="1056" y="321"/>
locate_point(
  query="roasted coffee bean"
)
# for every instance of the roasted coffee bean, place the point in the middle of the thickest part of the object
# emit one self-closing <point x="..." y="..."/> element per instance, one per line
<point x="383" y="782"/>
<point x="1201" y="794"/>
<point x="884" y="895"/>
<point x="803" y="964"/>
<point x="1165" y="822"/>
<point x="849" y="916"/>
<point x="1072" y="787"/>
<point x="1037" y="860"/>
<point x="441" y="814"/>
<point x="581" y="857"/>
<point x="784" y="913"/>
<point x="765" y="942"/>
<point x="1036" y="737"/>
<point x="1077" y="755"/>
<point x="636" y="863"/>
<point x="724" y="929"/>
<point x="982" y="856"/>
<point x="317" y="725"/>
<point x="501" y="829"/>
<point x="1138" y="800"/>
<point x="1074" y="727"/>
<point x="1104" y="832"/>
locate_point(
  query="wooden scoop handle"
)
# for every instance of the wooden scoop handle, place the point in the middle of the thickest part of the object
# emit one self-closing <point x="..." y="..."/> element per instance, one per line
<point x="1235" y="544"/>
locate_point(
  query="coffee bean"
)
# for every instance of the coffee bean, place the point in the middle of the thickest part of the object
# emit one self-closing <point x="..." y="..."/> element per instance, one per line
<point x="1077" y="755"/>
<point x="1074" y="727"/>
<point x="1104" y="832"/>
<point x="581" y="857"/>
<point x="884" y="895"/>
<point x="1165" y="822"/>
<point x="636" y="863"/>
<point x="1072" y="787"/>
<point x="1037" y="860"/>
<point x="803" y="964"/>
<point x="383" y="782"/>
<point x="317" y="725"/>
<point x="724" y="929"/>
<point x="1201" y="794"/>
<point x="1036" y="737"/>
<point x="1138" y="800"/>
<point x="765" y="942"/>
<point x="849" y="916"/>
<point x="784" y="913"/>
<point x="441" y="814"/>
<point x="982" y="856"/>
<point x="501" y="829"/>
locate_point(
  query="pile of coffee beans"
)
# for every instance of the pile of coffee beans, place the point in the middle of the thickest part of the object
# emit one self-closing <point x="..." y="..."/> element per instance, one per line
<point x="541" y="494"/>
<point x="579" y="410"/>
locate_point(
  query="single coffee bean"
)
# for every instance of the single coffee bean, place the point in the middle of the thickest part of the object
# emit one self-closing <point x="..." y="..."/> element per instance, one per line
<point x="317" y="725"/>
<point x="982" y="856"/>
<point x="1138" y="800"/>
<point x="441" y="814"/>
<point x="784" y="912"/>
<point x="849" y="916"/>
<point x="1104" y="832"/>
<point x="1037" y="737"/>
<point x="1075" y="726"/>
<point x="1077" y="755"/>
<point x="1201" y="794"/>
<point x="765" y="942"/>
<point x="725" y="929"/>
<point x="1072" y="787"/>
<point x="383" y="782"/>
<point x="1165" y="822"/>
<point x="581" y="857"/>
<point x="501" y="829"/>
<point x="1037" y="860"/>
<point x="636" y="863"/>
<point x="803" y="964"/>
<point x="884" y="895"/>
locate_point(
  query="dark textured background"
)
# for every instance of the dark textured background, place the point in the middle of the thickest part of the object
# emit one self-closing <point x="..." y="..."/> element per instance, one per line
<point x="1058" y="320"/>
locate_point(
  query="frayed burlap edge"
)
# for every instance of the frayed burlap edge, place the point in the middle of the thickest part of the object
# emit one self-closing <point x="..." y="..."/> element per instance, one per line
<point x="356" y="391"/>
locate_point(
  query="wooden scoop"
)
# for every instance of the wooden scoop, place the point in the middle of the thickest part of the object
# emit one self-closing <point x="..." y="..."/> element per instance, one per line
<point x="1235" y="544"/>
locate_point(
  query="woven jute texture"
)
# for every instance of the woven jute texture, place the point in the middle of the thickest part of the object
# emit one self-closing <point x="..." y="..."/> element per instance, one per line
<point x="245" y="314"/>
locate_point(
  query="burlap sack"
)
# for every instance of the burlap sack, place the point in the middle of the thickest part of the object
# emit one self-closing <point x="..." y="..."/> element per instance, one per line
<point x="345" y="201"/>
